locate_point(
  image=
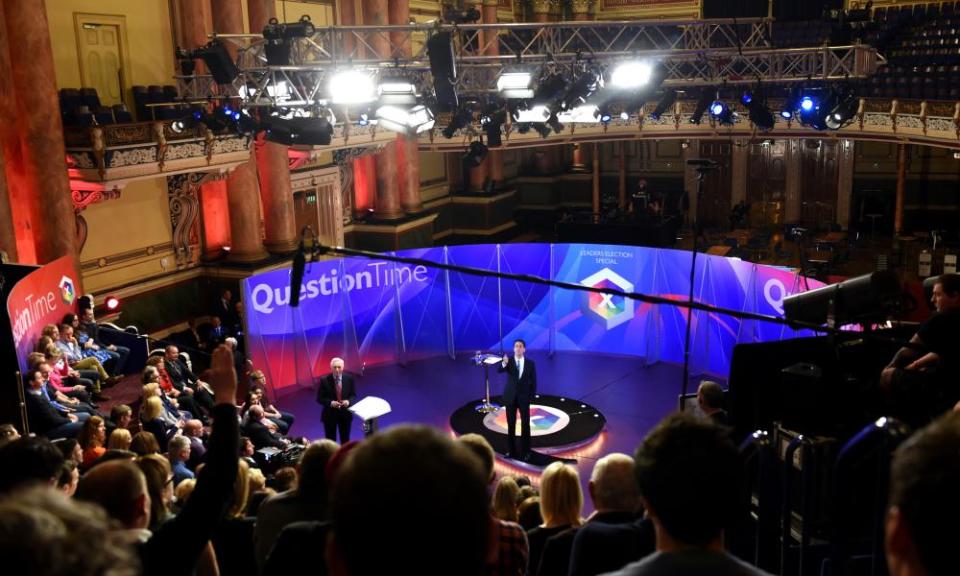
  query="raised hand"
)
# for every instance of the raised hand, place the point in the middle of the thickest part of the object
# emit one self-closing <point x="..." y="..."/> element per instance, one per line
<point x="223" y="375"/>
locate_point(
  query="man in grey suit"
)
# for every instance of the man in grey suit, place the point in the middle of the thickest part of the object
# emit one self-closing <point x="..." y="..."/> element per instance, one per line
<point x="520" y="389"/>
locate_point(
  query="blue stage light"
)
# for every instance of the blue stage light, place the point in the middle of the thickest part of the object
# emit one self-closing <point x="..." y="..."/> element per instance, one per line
<point x="717" y="108"/>
<point x="806" y="103"/>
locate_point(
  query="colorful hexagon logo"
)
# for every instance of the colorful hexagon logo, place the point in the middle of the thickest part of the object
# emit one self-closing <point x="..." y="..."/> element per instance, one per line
<point x="67" y="291"/>
<point x="608" y="309"/>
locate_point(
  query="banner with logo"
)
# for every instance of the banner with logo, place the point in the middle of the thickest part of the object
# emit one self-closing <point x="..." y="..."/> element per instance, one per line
<point x="371" y="311"/>
<point x="40" y="298"/>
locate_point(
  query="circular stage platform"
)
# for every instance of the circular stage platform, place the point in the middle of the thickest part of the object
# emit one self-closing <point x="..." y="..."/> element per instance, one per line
<point x="556" y="424"/>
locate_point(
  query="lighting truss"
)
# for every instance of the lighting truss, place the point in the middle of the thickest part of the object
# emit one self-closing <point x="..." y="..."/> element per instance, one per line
<point x="690" y="52"/>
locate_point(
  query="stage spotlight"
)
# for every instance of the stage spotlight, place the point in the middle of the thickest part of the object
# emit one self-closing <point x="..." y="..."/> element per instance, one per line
<point x="624" y="115"/>
<point x="631" y="75"/>
<point x="843" y="111"/>
<point x="792" y="103"/>
<point x="410" y="121"/>
<point x="669" y="98"/>
<point x="111" y="303"/>
<point x="550" y="90"/>
<point x="584" y="114"/>
<point x="461" y="119"/>
<point x="602" y="113"/>
<point x="747" y="97"/>
<point x="515" y="85"/>
<point x="397" y="91"/>
<point x="277" y="38"/>
<point x="759" y="114"/>
<point x="181" y="125"/>
<point x="806" y="104"/>
<point x="460" y="14"/>
<point x="218" y="61"/>
<point x="443" y="70"/>
<point x="302" y="131"/>
<point x="523" y="127"/>
<point x="492" y="120"/>
<point x="721" y="112"/>
<point x="555" y="123"/>
<point x="476" y="154"/>
<point x="363" y="119"/>
<point x="706" y="97"/>
<point x="581" y="90"/>
<point x="352" y="87"/>
<point x="538" y="113"/>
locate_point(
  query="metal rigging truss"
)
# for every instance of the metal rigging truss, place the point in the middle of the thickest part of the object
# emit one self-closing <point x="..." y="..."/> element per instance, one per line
<point x="691" y="52"/>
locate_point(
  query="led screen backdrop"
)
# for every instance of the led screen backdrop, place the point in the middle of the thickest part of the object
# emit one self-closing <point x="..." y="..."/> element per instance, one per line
<point x="373" y="311"/>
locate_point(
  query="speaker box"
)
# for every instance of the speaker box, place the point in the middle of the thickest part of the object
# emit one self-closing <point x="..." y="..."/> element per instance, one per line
<point x="443" y="68"/>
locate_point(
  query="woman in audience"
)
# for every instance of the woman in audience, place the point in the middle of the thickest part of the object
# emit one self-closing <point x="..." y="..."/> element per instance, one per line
<point x="144" y="443"/>
<point x="233" y="542"/>
<point x="71" y="349"/>
<point x="253" y="399"/>
<point x="159" y="477"/>
<point x="282" y="419"/>
<point x="88" y="347"/>
<point x="68" y="381"/>
<point x="151" y="418"/>
<point x="505" y="499"/>
<point x="69" y="478"/>
<point x="42" y="342"/>
<point x="92" y="439"/>
<point x="183" y="491"/>
<point x="561" y="502"/>
<point x="257" y="492"/>
<point x="120" y="439"/>
<point x="172" y="414"/>
<point x="183" y="399"/>
<point x="528" y="513"/>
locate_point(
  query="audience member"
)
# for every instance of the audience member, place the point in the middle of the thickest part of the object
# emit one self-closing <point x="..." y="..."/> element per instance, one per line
<point x="151" y="420"/>
<point x="233" y="539"/>
<point x="144" y="443"/>
<point x="671" y="465"/>
<point x="89" y="324"/>
<point x="920" y="526"/>
<point x="193" y="429"/>
<point x="120" y="417"/>
<point x="306" y="502"/>
<point x="561" y="502"/>
<point x="284" y="420"/>
<point x="616" y="534"/>
<point x="508" y="548"/>
<point x="505" y="499"/>
<point x="27" y="461"/>
<point x="70" y="449"/>
<point x="8" y="433"/>
<point x="159" y="476"/>
<point x="120" y="487"/>
<point x="285" y="479"/>
<point x="92" y="439"/>
<point x="120" y="439"/>
<point x="186" y="382"/>
<point x="69" y="477"/>
<point x="44" y="416"/>
<point x="710" y="401"/>
<point x="178" y="452"/>
<point x="423" y="487"/>
<point x="528" y="513"/>
<point x="257" y="431"/>
<point x="45" y="533"/>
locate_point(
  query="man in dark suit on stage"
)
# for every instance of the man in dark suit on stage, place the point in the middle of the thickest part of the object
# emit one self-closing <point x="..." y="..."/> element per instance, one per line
<point x="520" y="389"/>
<point x="337" y="392"/>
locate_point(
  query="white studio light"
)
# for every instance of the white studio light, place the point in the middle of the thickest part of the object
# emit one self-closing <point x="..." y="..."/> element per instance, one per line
<point x="280" y="91"/>
<point x="632" y="74"/>
<point x="515" y="85"/>
<point x="397" y="92"/>
<point x="583" y="114"/>
<point x="408" y="121"/>
<point x="535" y="114"/>
<point x="352" y="87"/>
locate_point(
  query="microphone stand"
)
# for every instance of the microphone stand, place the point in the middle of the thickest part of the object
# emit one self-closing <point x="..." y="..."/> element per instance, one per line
<point x="701" y="175"/>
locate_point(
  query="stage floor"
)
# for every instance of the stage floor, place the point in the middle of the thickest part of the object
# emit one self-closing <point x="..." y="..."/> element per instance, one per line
<point x="631" y="396"/>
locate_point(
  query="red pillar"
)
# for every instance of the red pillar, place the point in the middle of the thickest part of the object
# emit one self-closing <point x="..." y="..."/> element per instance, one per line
<point x="242" y="191"/>
<point x="273" y="166"/>
<point x="495" y="158"/>
<point x="14" y="222"/>
<point x="387" y="204"/>
<point x="47" y="187"/>
<point x="408" y="153"/>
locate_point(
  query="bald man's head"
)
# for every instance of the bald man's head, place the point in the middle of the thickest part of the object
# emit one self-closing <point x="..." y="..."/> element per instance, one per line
<point x="613" y="486"/>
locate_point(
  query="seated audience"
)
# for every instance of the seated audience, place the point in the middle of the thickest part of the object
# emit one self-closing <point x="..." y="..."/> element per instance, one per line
<point x="233" y="539"/>
<point x="89" y="347"/>
<point x="63" y="338"/>
<point x="183" y="491"/>
<point x="616" y="534"/>
<point x="710" y="401"/>
<point x="92" y="440"/>
<point x="59" y="398"/>
<point x="247" y="452"/>
<point x="420" y="484"/>
<point x="151" y="419"/>
<point x="46" y="533"/>
<point x="69" y="477"/>
<point x="508" y="548"/>
<point x="257" y="492"/>
<point x="178" y="452"/>
<point x="120" y="439"/>
<point x="528" y="513"/>
<point x="89" y="323"/>
<point x="307" y="501"/>
<point x="285" y="420"/>
<point x="561" y="502"/>
<point x="120" y="417"/>
<point x="66" y="380"/>
<point x="172" y="414"/>
<point x="120" y="487"/>
<point x="186" y="382"/>
<point x="144" y="443"/>
<point x="70" y="449"/>
<point x="505" y="499"/>
<point x="284" y="479"/>
<point x="8" y="433"/>
<point x="28" y="461"/>
<point x="921" y="527"/>
<point x="193" y="430"/>
<point x="45" y="417"/>
<point x="259" y="433"/>
<point x="671" y="465"/>
<point x="156" y="372"/>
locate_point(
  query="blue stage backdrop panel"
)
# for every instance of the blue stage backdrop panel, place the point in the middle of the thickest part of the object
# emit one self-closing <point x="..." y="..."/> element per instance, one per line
<point x="370" y="311"/>
<point x="524" y="310"/>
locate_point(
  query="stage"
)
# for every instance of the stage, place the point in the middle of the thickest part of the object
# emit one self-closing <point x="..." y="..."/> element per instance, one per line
<point x="628" y="395"/>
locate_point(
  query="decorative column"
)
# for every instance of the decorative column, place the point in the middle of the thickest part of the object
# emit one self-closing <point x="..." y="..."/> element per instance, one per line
<point x="46" y="187"/>
<point x="387" y="203"/>
<point x="192" y="26"/>
<point x="580" y="9"/>
<point x="845" y="183"/>
<point x="243" y="195"/>
<point x="273" y="166"/>
<point x="9" y="156"/>
<point x="491" y="42"/>
<point x="8" y="240"/>
<point x="901" y="188"/>
<point x="408" y="153"/>
<point x="740" y="152"/>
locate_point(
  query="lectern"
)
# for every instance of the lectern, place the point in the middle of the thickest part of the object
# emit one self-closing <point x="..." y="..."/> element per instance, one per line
<point x="369" y="409"/>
